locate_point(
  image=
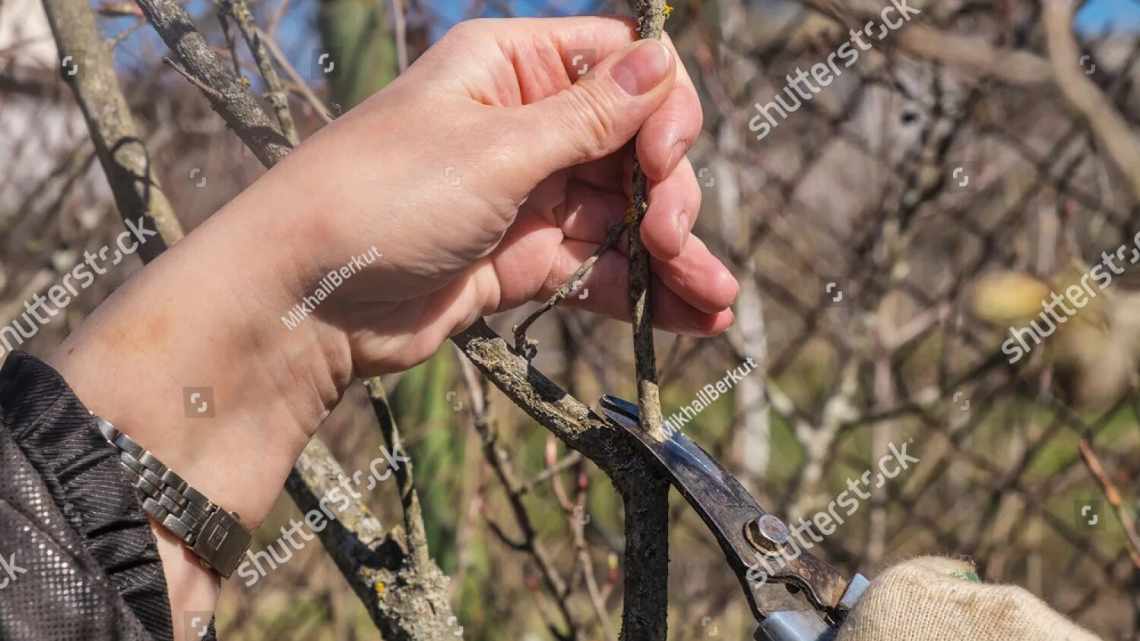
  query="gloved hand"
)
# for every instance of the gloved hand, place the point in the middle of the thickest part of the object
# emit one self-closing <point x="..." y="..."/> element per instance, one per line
<point x="939" y="599"/>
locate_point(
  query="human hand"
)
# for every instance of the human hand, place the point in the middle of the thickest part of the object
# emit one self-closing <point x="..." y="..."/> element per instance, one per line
<point x="485" y="175"/>
<point x="938" y="599"/>
<point x="541" y="164"/>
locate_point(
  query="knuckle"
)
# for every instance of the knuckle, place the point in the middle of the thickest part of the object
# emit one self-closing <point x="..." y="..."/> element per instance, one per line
<point x="466" y="30"/>
<point x="700" y="121"/>
<point x="592" y="117"/>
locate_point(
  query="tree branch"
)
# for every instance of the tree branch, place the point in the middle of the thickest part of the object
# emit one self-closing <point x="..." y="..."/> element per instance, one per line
<point x="407" y="601"/>
<point x="118" y="144"/>
<point x="644" y="492"/>
<point x="409" y="498"/>
<point x="1015" y="67"/>
<point x="646" y="502"/>
<point x="233" y="101"/>
<point x="528" y="347"/>
<point x="1085" y="97"/>
<point x="301" y="86"/>
<point x="500" y="463"/>
<point x="277" y="96"/>
<point x="1112" y="494"/>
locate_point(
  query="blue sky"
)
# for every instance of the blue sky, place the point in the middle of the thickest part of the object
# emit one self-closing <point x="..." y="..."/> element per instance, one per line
<point x="1100" y="16"/>
<point x="1097" y="16"/>
<point x="299" y="40"/>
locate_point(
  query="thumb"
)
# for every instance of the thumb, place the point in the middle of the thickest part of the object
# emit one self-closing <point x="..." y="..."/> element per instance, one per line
<point x="602" y="111"/>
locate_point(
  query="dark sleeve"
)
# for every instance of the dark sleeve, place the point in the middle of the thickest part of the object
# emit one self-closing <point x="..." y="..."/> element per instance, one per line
<point x="78" y="561"/>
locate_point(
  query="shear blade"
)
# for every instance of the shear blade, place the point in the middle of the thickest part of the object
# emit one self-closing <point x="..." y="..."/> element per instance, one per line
<point x="726" y="507"/>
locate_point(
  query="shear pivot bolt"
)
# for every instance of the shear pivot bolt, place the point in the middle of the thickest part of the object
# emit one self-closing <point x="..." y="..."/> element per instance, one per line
<point x="767" y="533"/>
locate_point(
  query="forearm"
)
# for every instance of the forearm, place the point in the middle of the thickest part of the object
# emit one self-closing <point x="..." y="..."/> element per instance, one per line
<point x="207" y="315"/>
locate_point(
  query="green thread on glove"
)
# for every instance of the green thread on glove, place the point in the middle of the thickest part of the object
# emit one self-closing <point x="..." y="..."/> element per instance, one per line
<point x="970" y="576"/>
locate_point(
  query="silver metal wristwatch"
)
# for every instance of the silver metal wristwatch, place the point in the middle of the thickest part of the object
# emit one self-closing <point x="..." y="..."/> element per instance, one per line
<point x="210" y="532"/>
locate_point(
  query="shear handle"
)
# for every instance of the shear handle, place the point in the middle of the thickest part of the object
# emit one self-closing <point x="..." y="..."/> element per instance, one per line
<point x="734" y="516"/>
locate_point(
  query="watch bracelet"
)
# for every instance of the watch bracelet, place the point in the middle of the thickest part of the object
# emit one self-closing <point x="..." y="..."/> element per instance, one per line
<point x="209" y="531"/>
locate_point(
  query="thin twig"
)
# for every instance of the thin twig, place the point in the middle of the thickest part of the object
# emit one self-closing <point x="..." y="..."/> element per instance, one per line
<point x="401" y="28"/>
<point x="203" y="87"/>
<point x="1112" y="495"/>
<point x="127" y="33"/>
<point x="1012" y="66"/>
<point x="556" y="485"/>
<point x="278" y="14"/>
<point x="650" y="21"/>
<point x="299" y="83"/>
<point x="647" y="503"/>
<point x="578" y="529"/>
<point x="567" y="462"/>
<point x="405" y="479"/>
<point x="1085" y="97"/>
<point x="504" y="472"/>
<point x="231" y="42"/>
<point x="529" y="348"/>
<point x="278" y="99"/>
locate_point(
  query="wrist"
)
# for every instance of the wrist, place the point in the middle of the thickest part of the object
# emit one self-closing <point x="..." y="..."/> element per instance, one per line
<point x="190" y="359"/>
<point x="206" y="315"/>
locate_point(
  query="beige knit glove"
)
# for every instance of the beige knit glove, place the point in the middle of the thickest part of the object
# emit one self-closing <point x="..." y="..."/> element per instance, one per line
<point x="938" y="599"/>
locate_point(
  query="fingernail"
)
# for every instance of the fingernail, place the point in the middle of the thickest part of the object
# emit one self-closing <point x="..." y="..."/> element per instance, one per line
<point x="642" y="67"/>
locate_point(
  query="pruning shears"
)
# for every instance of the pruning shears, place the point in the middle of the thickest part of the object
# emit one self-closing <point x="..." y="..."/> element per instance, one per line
<point x="750" y="537"/>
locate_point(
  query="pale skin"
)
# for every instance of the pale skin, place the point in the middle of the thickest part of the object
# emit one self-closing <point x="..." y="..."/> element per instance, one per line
<point x="484" y="175"/>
